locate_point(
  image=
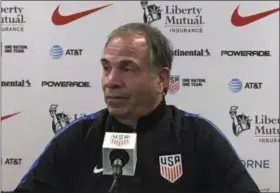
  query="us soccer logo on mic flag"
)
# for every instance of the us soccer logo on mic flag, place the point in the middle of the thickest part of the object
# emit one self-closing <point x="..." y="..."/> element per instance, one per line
<point x="120" y="139"/>
<point x="174" y="84"/>
<point x="171" y="167"/>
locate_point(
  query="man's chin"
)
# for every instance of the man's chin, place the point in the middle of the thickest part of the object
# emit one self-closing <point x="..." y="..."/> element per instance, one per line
<point x="118" y="112"/>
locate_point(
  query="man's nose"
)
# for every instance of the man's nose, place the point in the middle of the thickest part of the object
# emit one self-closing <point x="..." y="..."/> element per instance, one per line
<point x="114" y="79"/>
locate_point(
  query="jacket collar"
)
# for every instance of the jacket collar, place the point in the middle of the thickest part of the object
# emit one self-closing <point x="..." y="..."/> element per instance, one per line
<point x="144" y="124"/>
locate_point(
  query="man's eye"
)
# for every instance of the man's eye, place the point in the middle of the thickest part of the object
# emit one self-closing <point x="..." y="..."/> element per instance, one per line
<point x="105" y="68"/>
<point x="126" y="69"/>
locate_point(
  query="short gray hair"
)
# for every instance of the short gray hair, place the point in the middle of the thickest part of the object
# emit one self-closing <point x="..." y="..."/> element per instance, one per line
<point x="160" y="49"/>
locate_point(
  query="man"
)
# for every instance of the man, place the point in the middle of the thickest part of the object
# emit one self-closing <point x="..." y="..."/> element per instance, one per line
<point x="136" y="70"/>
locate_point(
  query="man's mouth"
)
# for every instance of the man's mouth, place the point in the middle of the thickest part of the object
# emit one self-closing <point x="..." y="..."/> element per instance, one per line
<point x="116" y="97"/>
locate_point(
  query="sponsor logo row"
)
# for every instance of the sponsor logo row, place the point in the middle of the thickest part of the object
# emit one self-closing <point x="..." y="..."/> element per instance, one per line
<point x="174" y="17"/>
<point x="60" y="84"/>
<point x="235" y="85"/>
<point x="249" y="164"/>
<point x="230" y="53"/>
<point x="263" y="164"/>
<point x="263" y="127"/>
<point x="57" y="51"/>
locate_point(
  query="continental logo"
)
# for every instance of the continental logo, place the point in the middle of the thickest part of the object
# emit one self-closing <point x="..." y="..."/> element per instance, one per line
<point x="16" y="83"/>
<point x="198" y="52"/>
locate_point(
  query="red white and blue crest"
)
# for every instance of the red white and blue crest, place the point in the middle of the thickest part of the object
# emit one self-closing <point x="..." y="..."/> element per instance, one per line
<point x="174" y="84"/>
<point x="171" y="167"/>
<point x="120" y="140"/>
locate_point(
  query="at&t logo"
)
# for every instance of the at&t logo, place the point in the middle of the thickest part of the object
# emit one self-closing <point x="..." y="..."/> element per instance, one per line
<point x="236" y="85"/>
<point x="56" y="52"/>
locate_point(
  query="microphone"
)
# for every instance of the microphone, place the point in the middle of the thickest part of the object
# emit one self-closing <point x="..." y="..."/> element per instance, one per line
<point x="119" y="147"/>
<point x="118" y="158"/>
<point x="119" y="155"/>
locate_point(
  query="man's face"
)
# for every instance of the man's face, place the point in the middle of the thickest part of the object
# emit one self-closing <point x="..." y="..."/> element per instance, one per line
<point x="128" y="85"/>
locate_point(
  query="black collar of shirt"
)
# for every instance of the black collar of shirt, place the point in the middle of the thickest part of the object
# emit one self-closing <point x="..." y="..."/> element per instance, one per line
<point x="144" y="124"/>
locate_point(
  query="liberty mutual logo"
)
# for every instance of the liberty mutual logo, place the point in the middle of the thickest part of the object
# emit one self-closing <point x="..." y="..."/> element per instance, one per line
<point x="264" y="127"/>
<point x="151" y="13"/>
<point x="177" y="18"/>
<point x="61" y="119"/>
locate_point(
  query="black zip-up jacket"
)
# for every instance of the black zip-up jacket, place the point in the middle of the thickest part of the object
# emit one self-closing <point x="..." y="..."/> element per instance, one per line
<point x="207" y="162"/>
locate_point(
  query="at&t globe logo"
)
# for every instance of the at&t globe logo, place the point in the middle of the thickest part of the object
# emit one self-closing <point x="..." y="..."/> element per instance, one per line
<point x="235" y="85"/>
<point x="56" y="51"/>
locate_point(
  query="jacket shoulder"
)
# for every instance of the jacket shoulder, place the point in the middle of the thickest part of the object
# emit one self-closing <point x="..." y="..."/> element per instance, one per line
<point x="200" y="128"/>
<point x="182" y="119"/>
<point x="70" y="140"/>
<point x="186" y="119"/>
<point x="80" y="127"/>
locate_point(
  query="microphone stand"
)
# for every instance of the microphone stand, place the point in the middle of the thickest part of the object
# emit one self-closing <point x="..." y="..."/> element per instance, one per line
<point x="117" y="172"/>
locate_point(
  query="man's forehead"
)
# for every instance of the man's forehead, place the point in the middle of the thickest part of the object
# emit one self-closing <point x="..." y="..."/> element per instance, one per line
<point x="126" y="47"/>
<point x="127" y="43"/>
<point x="129" y="39"/>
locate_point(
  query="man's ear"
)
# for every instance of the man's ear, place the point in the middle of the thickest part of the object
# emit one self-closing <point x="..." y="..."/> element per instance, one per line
<point x="164" y="75"/>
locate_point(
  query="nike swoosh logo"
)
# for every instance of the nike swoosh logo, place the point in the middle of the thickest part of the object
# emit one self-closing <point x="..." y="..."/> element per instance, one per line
<point x="239" y="21"/>
<point x="97" y="170"/>
<point x="264" y="190"/>
<point x="59" y="19"/>
<point x="8" y="116"/>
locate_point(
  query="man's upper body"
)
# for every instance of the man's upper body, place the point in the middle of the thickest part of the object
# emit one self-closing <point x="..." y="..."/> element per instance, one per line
<point x="73" y="160"/>
<point x="136" y="62"/>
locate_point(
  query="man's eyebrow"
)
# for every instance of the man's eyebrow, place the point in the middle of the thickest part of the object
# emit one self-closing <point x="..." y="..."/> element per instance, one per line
<point x="104" y="61"/>
<point x="127" y="62"/>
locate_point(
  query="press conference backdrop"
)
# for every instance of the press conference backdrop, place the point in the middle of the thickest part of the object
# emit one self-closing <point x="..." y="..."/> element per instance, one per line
<point x="226" y="68"/>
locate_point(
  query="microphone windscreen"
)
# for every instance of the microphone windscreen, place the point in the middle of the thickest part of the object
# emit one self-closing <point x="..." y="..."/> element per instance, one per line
<point x="119" y="154"/>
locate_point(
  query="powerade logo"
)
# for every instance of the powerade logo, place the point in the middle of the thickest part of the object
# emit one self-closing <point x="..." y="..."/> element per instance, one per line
<point x="65" y="84"/>
<point x="56" y="51"/>
<point x="245" y="53"/>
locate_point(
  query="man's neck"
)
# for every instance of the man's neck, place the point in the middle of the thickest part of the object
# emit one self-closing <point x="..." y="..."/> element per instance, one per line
<point x="132" y="121"/>
<point x="129" y="122"/>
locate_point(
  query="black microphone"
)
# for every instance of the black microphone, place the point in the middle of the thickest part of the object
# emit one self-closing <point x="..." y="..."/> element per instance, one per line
<point x="118" y="158"/>
<point x="119" y="154"/>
